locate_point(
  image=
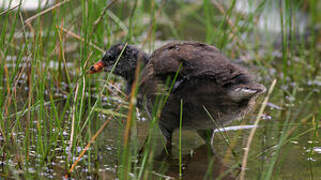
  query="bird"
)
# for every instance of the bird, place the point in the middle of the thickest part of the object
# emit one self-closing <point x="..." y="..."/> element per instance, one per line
<point x="204" y="90"/>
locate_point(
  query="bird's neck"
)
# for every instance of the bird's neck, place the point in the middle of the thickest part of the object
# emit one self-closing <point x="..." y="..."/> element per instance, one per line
<point x="130" y="76"/>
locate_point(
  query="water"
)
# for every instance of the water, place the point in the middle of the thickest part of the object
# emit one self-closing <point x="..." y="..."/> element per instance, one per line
<point x="26" y="5"/>
<point x="293" y="110"/>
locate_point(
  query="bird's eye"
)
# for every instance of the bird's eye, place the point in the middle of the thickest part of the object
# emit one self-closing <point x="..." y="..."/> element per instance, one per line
<point x="108" y="56"/>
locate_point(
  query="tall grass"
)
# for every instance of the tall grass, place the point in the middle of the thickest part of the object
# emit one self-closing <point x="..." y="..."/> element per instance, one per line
<point x="50" y="106"/>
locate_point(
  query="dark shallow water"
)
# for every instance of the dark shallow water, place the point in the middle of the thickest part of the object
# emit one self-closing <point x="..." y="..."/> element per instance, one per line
<point x="293" y="110"/>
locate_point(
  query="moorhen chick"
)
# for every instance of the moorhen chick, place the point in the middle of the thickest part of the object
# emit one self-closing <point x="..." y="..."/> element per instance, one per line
<point x="206" y="83"/>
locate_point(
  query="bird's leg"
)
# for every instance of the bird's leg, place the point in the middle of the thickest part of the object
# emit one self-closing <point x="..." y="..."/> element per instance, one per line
<point x="168" y="137"/>
<point x="168" y="147"/>
<point x="167" y="150"/>
<point x="140" y="152"/>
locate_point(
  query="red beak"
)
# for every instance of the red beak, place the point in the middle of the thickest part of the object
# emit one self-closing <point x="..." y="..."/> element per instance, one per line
<point x="99" y="66"/>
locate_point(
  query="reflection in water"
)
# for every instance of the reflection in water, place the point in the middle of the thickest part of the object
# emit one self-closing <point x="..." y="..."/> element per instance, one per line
<point x="27" y="5"/>
<point x="269" y="19"/>
<point x="201" y="164"/>
<point x="300" y="157"/>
